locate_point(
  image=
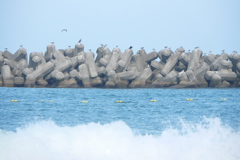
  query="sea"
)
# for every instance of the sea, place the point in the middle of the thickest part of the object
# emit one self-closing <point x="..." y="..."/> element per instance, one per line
<point x="119" y="124"/>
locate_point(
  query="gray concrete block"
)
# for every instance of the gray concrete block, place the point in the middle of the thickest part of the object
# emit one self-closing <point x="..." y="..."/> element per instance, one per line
<point x="215" y="80"/>
<point x="7" y="76"/>
<point x="22" y="64"/>
<point x="101" y="71"/>
<point x="180" y="67"/>
<point x="21" y="53"/>
<point x="110" y="84"/>
<point x="164" y="55"/>
<point x="74" y="73"/>
<point x="139" y="62"/>
<point x="157" y="65"/>
<point x="84" y="75"/>
<point x="180" y="49"/>
<point x="64" y="66"/>
<point x="126" y="75"/>
<point x="50" y="50"/>
<point x="11" y="63"/>
<point x="184" y="58"/>
<point x="7" y="54"/>
<point x="112" y="64"/>
<point x="41" y="83"/>
<point x="79" y="47"/>
<point x="201" y="71"/>
<point x="140" y="81"/>
<point x="172" y="61"/>
<point x="59" y="56"/>
<point x="150" y="57"/>
<point x="69" y="52"/>
<point x="57" y="76"/>
<point x="226" y="75"/>
<point x="91" y="64"/>
<point x="225" y="65"/>
<point x="96" y="82"/>
<point x="42" y="70"/>
<point x="194" y="59"/>
<point x="214" y="66"/>
<point x="30" y="81"/>
<point x="18" y="81"/>
<point x="71" y="83"/>
<point x="169" y="80"/>
<point x="209" y="59"/>
<point x="125" y="60"/>
<point x="223" y="84"/>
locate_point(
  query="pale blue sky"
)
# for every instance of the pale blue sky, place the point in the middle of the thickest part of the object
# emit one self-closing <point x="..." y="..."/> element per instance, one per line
<point x="213" y="25"/>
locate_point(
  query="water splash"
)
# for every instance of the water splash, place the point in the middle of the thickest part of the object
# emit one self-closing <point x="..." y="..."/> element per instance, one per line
<point x="208" y="139"/>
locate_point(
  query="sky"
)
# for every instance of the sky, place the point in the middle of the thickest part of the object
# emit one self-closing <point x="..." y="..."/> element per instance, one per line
<point x="213" y="25"/>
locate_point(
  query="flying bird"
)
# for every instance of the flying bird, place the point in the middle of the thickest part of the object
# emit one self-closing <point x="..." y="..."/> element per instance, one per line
<point x="80" y="41"/>
<point x="64" y="30"/>
<point x="130" y="47"/>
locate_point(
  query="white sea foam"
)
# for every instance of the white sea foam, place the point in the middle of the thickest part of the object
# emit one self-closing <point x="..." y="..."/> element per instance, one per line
<point x="116" y="141"/>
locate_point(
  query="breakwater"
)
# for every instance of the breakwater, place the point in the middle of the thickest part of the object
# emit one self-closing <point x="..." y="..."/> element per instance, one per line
<point x="76" y="68"/>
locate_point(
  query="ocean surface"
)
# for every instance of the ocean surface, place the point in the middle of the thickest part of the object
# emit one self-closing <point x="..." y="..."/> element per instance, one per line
<point x="119" y="124"/>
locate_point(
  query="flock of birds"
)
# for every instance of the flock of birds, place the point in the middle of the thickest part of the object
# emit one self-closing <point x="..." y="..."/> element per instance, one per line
<point x="65" y="30"/>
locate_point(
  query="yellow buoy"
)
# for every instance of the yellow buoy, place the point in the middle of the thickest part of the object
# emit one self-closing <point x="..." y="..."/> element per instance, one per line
<point x="14" y="100"/>
<point x="42" y="100"/>
<point x="189" y="99"/>
<point x="223" y="99"/>
<point x="84" y="101"/>
<point x="119" y="101"/>
<point x="153" y="101"/>
<point x="50" y="101"/>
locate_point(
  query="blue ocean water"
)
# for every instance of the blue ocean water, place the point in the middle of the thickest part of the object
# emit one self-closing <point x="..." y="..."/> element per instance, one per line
<point x="73" y="124"/>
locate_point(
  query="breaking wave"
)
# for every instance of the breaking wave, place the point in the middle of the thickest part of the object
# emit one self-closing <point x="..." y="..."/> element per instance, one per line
<point x="45" y="140"/>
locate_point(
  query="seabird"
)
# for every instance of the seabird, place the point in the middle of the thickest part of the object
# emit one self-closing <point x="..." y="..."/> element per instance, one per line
<point x="52" y="42"/>
<point x="223" y="51"/>
<point x="142" y="47"/>
<point x="80" y="41"/>
<point x="64" y="30"/>
<point x="154" y="49"/>
<point x="197" y="47"/>
<point x="69" y="46"/>
<point x="101" y="45"/>
<point x="105" y="45"/>
<point x="130" y="47"/>
<point x="6" y="49"/>
<point x="116" y="46"/>
<point x="20" y="46"/>
<point x="90" y="50"/>
<point x="165" y="46"/>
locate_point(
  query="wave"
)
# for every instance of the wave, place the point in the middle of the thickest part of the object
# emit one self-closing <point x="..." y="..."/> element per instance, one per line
<point x="45" y="140"/>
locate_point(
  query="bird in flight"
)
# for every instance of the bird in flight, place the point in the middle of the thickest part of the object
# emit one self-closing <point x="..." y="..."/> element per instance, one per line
<point x="64" y="30"/>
